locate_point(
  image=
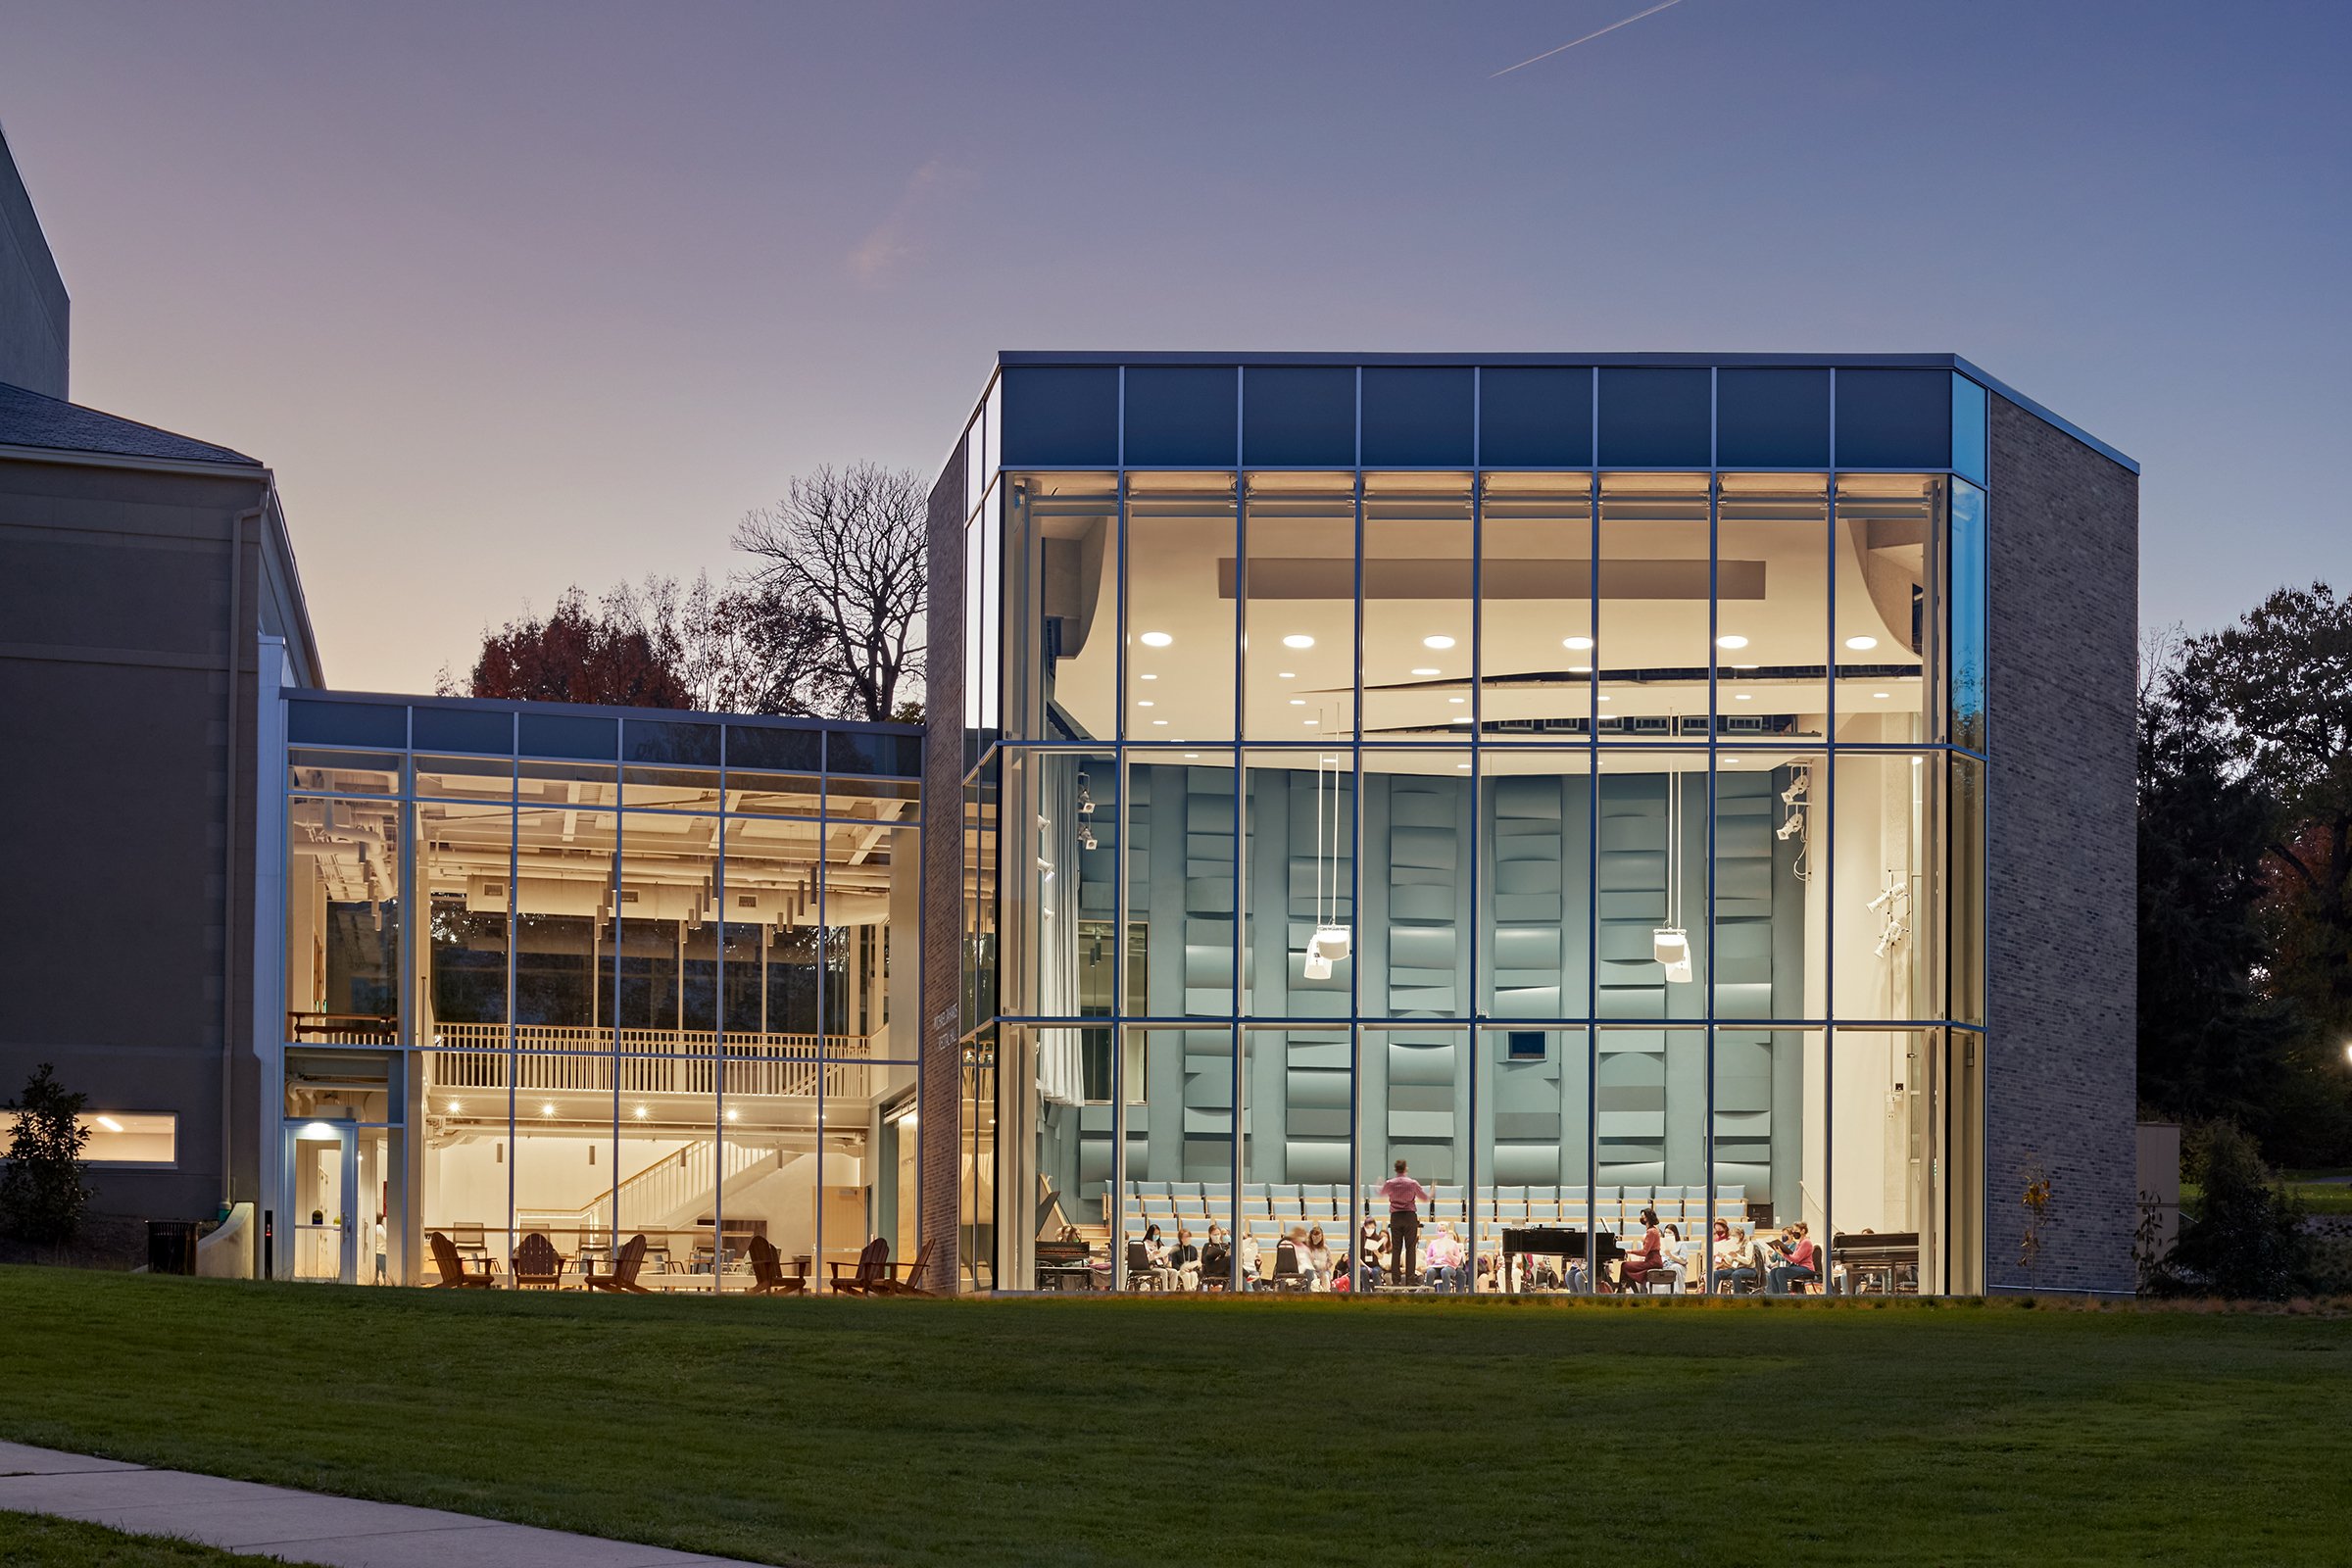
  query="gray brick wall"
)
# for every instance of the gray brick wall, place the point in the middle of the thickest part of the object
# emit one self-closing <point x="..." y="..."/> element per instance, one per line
<point x="2060" y="1076"/>
<point x="943" y="875"/>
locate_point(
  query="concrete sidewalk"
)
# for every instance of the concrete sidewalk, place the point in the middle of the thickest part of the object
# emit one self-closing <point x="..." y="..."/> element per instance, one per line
<point x="295" y="1526"/>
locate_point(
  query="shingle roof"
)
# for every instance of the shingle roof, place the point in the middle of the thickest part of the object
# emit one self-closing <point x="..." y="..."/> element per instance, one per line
<point x="29" y="419"/>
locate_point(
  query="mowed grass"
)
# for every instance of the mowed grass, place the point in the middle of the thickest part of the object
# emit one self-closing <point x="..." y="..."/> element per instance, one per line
<point x="28" y="1541"/>
<point x="1214" y="1431"/>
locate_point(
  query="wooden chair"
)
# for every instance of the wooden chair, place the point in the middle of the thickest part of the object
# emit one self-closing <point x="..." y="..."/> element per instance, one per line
<point x="769" y="1277"/>
<point x="454" y="1275"/>
<point x="873" y="1263"/>
<point x="892" y="1282"/>
<point x="625" y="1266"/>
<point x="538" y="1267"/>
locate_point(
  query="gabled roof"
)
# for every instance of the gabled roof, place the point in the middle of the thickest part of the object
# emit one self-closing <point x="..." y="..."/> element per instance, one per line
<point x="29" y="419"/>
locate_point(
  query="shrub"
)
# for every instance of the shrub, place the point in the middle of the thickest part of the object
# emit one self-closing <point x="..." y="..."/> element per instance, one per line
<point x="43" y="1185"/>
<point x="2242" y="1234"/>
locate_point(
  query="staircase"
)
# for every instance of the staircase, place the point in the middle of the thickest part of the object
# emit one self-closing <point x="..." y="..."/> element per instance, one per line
<point x="669" y="1194"/>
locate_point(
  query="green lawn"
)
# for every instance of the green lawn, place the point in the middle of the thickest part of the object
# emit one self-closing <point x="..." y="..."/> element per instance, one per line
<point x="28" y="1541"/>
<point x="1071" y="1431"/>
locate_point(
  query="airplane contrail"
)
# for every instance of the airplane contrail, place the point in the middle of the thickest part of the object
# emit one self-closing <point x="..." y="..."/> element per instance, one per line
<point x="1587" y="37"/>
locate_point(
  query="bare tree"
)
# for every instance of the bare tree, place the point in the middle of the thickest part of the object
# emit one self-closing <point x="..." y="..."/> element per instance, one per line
<point x="847" y="546"/>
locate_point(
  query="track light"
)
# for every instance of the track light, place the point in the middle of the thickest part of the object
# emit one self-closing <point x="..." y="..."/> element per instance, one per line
<point x="1790" y="828"/>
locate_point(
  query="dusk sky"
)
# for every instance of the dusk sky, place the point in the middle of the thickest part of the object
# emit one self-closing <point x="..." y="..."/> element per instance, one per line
<point x="518" y="296"/>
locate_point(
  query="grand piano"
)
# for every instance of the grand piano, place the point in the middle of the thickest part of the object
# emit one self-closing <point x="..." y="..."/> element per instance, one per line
<point x="1884" y="1262"/>
<point x="1553" y="1240"/>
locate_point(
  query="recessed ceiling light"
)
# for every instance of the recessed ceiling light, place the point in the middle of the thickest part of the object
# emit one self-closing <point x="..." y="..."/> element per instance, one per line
<point x="1288" y="674"/>
<point x="1437" y="642"/>
<point x="1191" y="757"/>
<point x="110" y="1124"/>
<point x="1880" y="696"/>
<point x="1425" y="669"/>
<point x="1146" y="702"/>
<point x="1579" y="670"/>
<point x="1744" y="667"/>
<point x="641" y="1113"/>
<point x="1457" y="700"/>
<point x="1297" y="639"/>
<point x="547" y="1109"/>
<point x="1605" y="697"/>
<point x="1159" y="721"/>
<point x="1298" y="701"/>
<point x="456" y="1107"/>
<point x="1578" y="643"/>
<point x="1149" y="676"/>
<point x="1731" y="639"/>
<point x="1861" y="645"/>
<point x="1741" y="696"/>
<point x="1156" y="639"/>
<point x="1733" y="760"/>
<point x="1313" y="722"/>
<point x="733" y="1113"/>
<point x="1461" y="767"/>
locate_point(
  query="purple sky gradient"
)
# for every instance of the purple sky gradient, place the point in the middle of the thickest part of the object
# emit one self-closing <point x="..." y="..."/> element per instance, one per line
<point x="523" y="295"/>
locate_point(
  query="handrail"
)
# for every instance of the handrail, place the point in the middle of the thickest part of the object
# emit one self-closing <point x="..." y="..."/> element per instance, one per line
<point x="553" y="1057"/>
<point x="645" y="1196"/>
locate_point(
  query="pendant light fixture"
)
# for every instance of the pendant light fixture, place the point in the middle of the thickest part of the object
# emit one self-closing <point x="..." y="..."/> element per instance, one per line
<point x="1331" y="941"/>
<point x="1670" y="944"/>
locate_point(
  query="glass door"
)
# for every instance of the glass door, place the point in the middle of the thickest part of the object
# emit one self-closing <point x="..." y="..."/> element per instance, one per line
<point x="323" y="1183"/>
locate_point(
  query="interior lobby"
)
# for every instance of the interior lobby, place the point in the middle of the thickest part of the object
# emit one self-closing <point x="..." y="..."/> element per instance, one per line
<point x="562" y="973"/>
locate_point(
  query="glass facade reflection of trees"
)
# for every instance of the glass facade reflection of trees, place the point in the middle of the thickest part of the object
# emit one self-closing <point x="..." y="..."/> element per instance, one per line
<point x="1593" y="837"/>
<point x="670" y="997"/>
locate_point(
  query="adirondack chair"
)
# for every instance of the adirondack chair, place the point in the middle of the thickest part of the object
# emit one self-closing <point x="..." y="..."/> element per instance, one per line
<point x="768" y="1274"/>
<point x="623" y="1277"/>
<point x="873" y="1263"/>
<point x="537" y="1265"/>
<point x="892" y="1282"/>
<point x="454" y="1273"/>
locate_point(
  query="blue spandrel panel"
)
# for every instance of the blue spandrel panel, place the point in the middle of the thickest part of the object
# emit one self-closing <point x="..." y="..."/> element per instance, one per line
<point x="1772" y="419"/>
<point x="377" y="724"/>
<point x="1182" y="415"/>
<point x="464" y="729"/>
<point x="1418" y="417"/>
<point x="1535" y="417"/>
<point x="1298" y="415"/>
<point x="1655" y="418"/>
<point x="1894" y="418"/>
<point x="1057" y="415"/>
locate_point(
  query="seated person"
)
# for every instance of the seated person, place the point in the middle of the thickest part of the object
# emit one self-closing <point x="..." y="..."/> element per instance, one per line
<point x="1156" y="1250"/>
<point x="1295" y="1240"/>
<point x="1443" y="1259"/>
<point x="1185" y="1259"/>
<point x="1643" y="1259"/>
<point x="1732" y="1265"/>
<point x="1800" y="1267"/>
<point x="1253" y="1273"/>
<point x="1315" y="1260"/>
<point x="1372" y="1244"/>
<point x="1216" y="1261"/>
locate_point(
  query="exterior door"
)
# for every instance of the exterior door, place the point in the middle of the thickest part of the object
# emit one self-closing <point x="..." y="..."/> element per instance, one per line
<point x="323" y="1181"/>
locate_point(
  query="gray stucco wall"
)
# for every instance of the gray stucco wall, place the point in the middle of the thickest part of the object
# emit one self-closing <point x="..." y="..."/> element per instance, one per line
<point x="943" y="875"/>
<point x="33" y="308"/>
<point x="2061" y="1079"/>
<point x="114" y="592"/>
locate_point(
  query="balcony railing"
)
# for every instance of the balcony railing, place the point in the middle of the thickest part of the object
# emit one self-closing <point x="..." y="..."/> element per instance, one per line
<point x="548" y="1058"/>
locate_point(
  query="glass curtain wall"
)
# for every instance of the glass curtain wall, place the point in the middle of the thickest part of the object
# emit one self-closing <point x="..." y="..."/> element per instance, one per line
<point x="652" y="1016"/>
<point x="1601" y="839"/>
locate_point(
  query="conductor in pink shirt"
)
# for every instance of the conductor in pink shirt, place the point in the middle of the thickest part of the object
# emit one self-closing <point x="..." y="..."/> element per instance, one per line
<point x="1405" y="1196"/>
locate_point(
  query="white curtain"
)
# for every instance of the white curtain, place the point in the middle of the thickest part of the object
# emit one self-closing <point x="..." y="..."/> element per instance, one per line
<point x="1061" y="1063"/>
